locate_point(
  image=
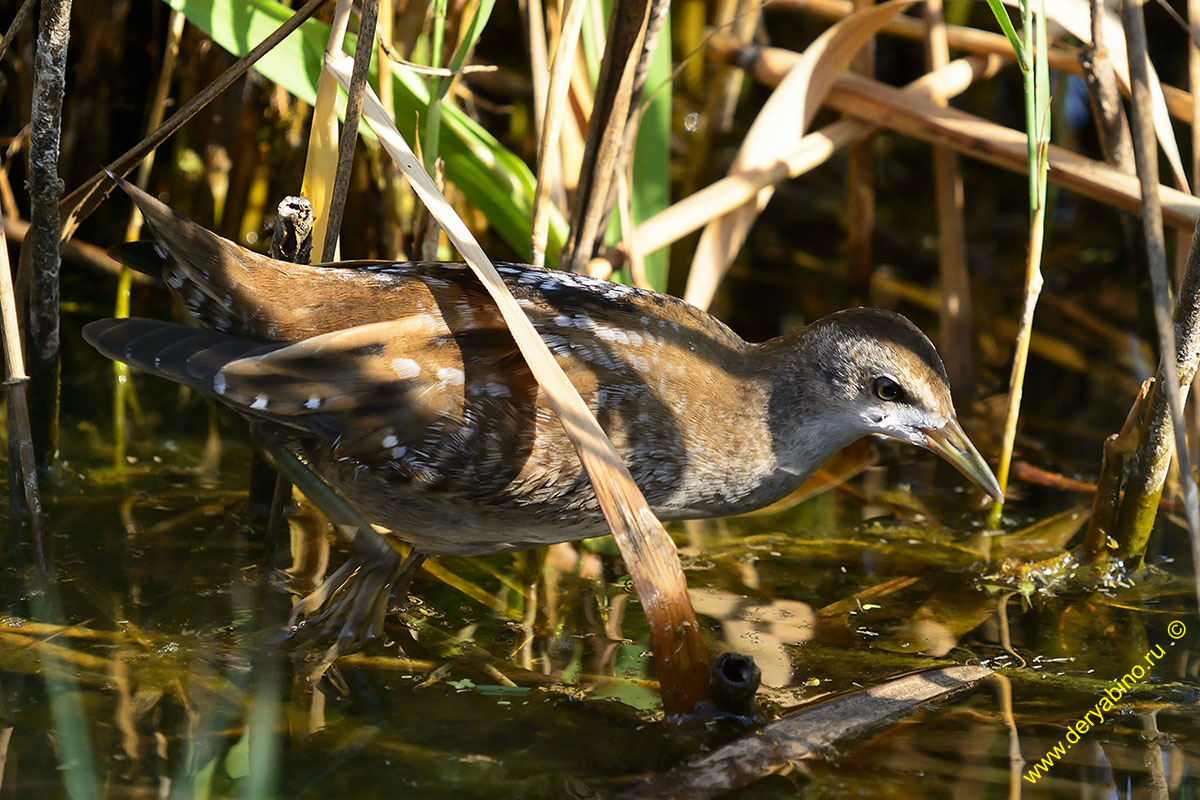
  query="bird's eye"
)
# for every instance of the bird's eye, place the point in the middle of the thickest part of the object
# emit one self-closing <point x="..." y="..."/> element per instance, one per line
<point x="887" y="389"/>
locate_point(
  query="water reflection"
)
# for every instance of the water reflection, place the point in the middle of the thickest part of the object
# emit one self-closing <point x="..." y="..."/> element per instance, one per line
<point x="530" y="675"/>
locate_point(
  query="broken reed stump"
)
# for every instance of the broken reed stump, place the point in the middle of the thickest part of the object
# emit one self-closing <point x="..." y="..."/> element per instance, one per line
<point x="1106" y="503"/>
<point x="1179" y="338"/>
<point x="1136" y="461"/>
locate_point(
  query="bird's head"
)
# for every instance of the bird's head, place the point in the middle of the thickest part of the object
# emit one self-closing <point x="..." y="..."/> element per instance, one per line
<point x="884" y="376"/>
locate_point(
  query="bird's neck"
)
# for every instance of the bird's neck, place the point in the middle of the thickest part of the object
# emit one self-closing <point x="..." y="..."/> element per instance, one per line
<point x="808" y="423"/>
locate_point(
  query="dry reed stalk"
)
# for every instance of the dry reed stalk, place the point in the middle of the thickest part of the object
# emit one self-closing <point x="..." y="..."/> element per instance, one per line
<point x="1031" y="473"/>
<point x="383" y="66"/>
<point x="8" y="198"/>
<point x="887" y="107"/>
<point x="320" y="163"/>
<point x="649" y="553"/>
<point x="539" y="64"/>
<point x="973" y="40"/>
<point x="905" y="110"/>
<point x="1076" y="18"/>
<point x="789" y="109"/>
<point x="17" y="21"/>
<point x="349" y="139"/>
<point x="79" y="204"/>
<point x="803" y="734"/>
<point x="1108" y="111"/>
<point x="745" y="21"/>
<point x="726" y="194"/>
<point x="574" y="134"/>
<point x="860" y="189"/>
<point x="44" y="260"/>
<point x="957" y="338"/>
<point x="658" y="16"/>
<point x="606" y="150"/>
<point x="741" y="18"/>
<point x="22" y="465"/>
<point x="583" y="99"/>
<point x="1193" y="8"/>
<point x="551" y="127"/>
<point x="81" y="253"/>
<point x="534" y="12"/>
<point x="1177" y="367"/>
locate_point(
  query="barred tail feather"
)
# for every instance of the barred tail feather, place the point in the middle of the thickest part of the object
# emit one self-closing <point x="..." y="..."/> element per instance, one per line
<point x="209" y="273"/>
<point x="190" y="356"/>
<point x="147" y="258"/>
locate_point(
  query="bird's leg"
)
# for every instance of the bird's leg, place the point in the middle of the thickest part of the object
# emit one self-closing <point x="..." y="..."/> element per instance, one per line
<point x="412" y="563"/>
<point x="277" y="527"/>
<point x="351" y="603"/>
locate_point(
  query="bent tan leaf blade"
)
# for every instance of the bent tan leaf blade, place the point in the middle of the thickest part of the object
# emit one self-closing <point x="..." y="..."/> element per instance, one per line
<point x="779" y="125"/>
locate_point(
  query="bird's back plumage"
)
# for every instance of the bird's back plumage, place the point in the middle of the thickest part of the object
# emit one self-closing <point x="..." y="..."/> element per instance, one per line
<point x="401" y="381"/>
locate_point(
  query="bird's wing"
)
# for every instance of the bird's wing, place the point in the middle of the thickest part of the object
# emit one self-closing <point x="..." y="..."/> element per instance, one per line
<point x="372" y="392"/>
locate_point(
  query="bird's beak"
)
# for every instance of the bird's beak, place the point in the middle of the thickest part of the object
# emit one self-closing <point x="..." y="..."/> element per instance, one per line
<point x="952" y="444"/>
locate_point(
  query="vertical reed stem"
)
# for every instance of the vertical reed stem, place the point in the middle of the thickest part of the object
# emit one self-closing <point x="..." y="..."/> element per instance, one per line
<point x="860" y="190"/>
<point x="1016" y="384"/>
<point x="433" y="117"/>
<point x="22" y="465"/>
<point x="1033" y="56"/>
<point x="1193" y="8"/>
<point x="17" y="21"/>
<point x="607" y="145"/>
<point x="555" y="111"/>
<point x="346" y="145"/>
<point x="956" y="333"/>
<point x="320" y="164"/>
<point x="45" y="191"/>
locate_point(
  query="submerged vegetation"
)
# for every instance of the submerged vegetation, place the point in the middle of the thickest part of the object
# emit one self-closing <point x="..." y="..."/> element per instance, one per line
<point x="891" y="630"/>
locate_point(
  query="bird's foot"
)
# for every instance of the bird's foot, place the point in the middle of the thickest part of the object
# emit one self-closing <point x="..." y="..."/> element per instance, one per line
<point x="349" y="606"/>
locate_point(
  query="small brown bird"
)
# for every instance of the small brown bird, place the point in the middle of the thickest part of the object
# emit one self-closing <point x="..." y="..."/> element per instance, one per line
<point x="400" y="386"/>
